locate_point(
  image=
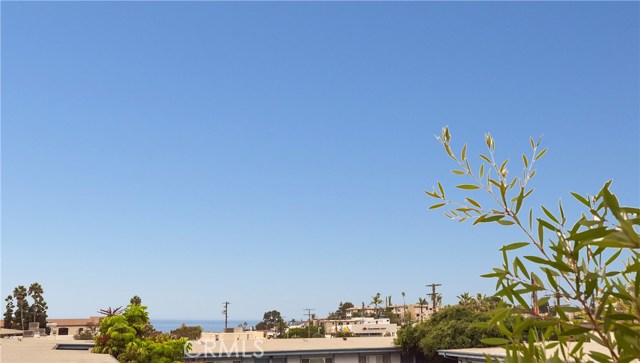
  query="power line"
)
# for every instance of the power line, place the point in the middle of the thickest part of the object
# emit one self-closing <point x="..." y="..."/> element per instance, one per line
<point x="309" y="310"/>
<point x="434" y="296"/>
<point x="225" y="311"/>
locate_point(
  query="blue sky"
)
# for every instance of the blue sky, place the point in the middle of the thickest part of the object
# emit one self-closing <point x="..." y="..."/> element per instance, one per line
<point x="275" y="155"/>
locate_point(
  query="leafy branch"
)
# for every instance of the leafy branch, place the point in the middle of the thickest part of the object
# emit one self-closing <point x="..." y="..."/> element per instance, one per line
<point x="575" y="264"/>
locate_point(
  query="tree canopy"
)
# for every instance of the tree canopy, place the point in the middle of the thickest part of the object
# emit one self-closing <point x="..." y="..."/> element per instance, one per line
<point x="24" y="306"/>
<point x="125" y="336"/>
<point x="451" y="327"/>
<point x="272" y="320"/>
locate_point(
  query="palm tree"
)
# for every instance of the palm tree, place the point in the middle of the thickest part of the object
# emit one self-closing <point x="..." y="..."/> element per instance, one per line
<point x="376" y="300"/>
<point x="36" y="291"/>
<point x="422" y="301"/>
<point x="404" y="309"/>
<point x="20" y="293"/>
<point x="465" y="299"/>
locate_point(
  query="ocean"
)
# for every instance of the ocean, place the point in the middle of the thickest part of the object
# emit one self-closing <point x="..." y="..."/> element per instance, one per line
<point x="166" y="325"/>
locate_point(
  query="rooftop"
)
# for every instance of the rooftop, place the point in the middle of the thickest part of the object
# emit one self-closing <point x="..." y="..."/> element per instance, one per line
<point x="297" y="346"/>
<point x="499" y="353"/>
<point x="41" y="350"/>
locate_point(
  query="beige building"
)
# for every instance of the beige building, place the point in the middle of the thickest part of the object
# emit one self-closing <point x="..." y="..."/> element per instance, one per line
<point x="412" y="312"/>
<point x="233" y="334"/>
<point x="315" y="350"/>
<point x="62" y="327"/>
<point x="360" y="327"/>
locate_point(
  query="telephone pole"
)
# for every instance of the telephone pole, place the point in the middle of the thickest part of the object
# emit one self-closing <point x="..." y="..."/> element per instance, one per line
<point x="309" y="310"/>
<point x="225" y="311"/>
<point x="434" y="296"/>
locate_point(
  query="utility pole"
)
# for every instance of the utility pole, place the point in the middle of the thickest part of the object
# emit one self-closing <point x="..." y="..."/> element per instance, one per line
<point x="434" y="296"/>
<point x="309" y="310"/>
<point x="226" y="314"/>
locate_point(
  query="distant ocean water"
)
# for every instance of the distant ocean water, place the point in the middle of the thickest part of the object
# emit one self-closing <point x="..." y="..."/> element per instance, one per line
<point x="166" y="325"/>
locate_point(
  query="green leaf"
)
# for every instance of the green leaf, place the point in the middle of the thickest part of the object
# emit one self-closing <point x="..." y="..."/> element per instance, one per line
<point x="485" y="158"/>
<point x="448" y="150"/>
<point x="479" y="219"/>
<point x="621" y="316"/>
<point x="505" y="223"/>
<point x="441" y="190"/>
<point x="435" y="206"/>
<point x="481" y="170"/>
<point x="581" y="199"/>
<point x="541" y="261"/>
<point x="547" y="225"/>
<point x="590" y="234"/>
<point x="467" y="186"/>
<point x="551" y="216"/>
<point x="519" y="200"/>
<point x="525" y="161"/>
<point x="491" y="219"/>
<point x="473" y="202"/>
<point x="432" y="194"/>
<point x="514" y="246"/>
<point x="458" y="172"/>
<point x="464" y="152"/>
<point x="575" y="331"/>
<point x="613" y="257"/>
<point x="495" y="341"/>
<point x="544" y="151"/>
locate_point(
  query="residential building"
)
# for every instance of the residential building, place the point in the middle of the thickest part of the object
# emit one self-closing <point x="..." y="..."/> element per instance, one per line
<point x="316" y="350"/>
<point x="361" y="327"/>
<point x="412" y="312"/>
<point x="233" y="334"/>
<point x="70" y="327"/>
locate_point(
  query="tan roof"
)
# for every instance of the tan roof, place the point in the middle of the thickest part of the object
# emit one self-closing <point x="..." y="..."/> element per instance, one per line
<point x="498" y="352"/>
<point x="299" y="346"/>
<point x="4" y="331"/>
<point x="40" y="350"/>
<point x="76" y="322"/>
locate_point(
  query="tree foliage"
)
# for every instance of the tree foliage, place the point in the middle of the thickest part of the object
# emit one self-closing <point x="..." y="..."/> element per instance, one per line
<point x="125" y="336"/>
<point x="341" y="312"/>
<point x="8" y="312"/>
<point x="272" y="320"/>
<point x="591" y="265"/>
<point x="316" y="332"/>
<point x="185" y="331"/>
<point x="375" y="301"/>
<point x="451" y="327"/>
<point x="25" y="306"/>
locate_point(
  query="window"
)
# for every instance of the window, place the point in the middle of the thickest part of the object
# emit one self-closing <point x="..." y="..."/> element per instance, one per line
<point x="63" y="331"/>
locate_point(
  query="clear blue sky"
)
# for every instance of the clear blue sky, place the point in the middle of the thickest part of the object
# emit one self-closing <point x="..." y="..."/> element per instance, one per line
<point x="275" y="154"/>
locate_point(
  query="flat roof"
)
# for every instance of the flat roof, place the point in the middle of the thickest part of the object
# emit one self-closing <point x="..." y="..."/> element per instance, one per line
<point x="276" y="347"/>
<point x="499" y="352"/>
<point x="41" y="350"/>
